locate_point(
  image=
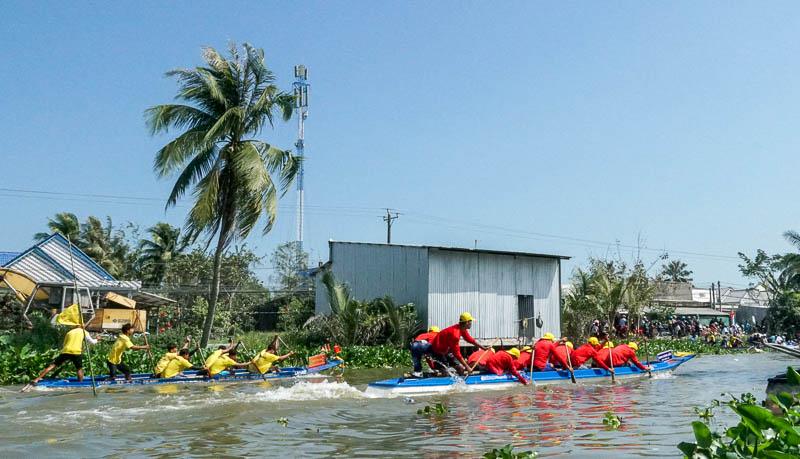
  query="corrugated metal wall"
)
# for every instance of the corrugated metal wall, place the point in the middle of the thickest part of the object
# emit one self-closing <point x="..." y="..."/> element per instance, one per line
<point x="487" y="285"/>
<point x="376" y="270"/>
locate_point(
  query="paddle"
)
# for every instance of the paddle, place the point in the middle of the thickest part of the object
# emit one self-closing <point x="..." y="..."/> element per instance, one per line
<point x="144" y="332"/>
<point x="533" y="353"/>
<point x="611" y="363"/>
<point x="471" y="369"/>
<point x="569" y="366"/>
<point x="76" y="294"/>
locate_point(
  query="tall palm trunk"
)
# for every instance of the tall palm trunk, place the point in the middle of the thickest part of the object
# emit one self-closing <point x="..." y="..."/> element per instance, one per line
<point x="212" y="301"/>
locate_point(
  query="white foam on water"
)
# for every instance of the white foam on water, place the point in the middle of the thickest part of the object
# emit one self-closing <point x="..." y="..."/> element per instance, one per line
<point x="306" y="391"/>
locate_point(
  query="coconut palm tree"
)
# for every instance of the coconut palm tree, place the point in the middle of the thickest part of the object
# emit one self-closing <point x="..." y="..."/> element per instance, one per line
<point x="100" y="243"/>
<point x="65" y="223"/>
<point x="164" y="245"/>
<point x="675" y="271"/>
<point x="225" y="105"/>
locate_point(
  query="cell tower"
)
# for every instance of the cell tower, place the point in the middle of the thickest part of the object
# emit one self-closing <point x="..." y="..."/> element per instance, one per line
<point x="301" y="105"/>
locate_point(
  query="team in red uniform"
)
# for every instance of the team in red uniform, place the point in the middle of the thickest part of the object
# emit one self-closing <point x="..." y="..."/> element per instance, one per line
<point x="620" y="355"/>
<point x="559" y="354"/>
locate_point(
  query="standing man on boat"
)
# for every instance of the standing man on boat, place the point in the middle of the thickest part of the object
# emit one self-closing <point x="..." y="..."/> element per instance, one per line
<point x="589" y="351"/>
<point x="502" y="362"/>
<point x="542" y="351"/>
<point x="72" y="351"/>
<point x="445" y="347"/>
<point x="122" y="344"/>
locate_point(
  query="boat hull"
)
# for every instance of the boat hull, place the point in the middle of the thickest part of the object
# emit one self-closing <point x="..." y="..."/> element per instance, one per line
<point x="189" y="377"/>
<point x="492" y="381"/>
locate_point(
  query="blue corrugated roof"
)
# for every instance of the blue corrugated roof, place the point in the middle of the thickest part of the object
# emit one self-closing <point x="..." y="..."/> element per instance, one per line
<point x="5" y="257"/>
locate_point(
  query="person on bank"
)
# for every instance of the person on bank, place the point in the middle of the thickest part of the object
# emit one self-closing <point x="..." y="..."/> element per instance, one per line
<point x="444" y="349"/>
<point x="502" y="362"/>
<point x="587" y="352"/>
<point x="122" y="344"/>
<point x="71" y="351"/>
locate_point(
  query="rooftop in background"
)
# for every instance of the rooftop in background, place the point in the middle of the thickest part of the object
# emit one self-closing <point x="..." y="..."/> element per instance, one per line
<point x="50" y="262"/>
<point x="5" y="257"/>
<point x="460" y="249"/>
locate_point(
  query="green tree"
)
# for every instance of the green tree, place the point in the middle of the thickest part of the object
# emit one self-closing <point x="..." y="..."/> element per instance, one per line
<point x="289" y="261"/>
<point x="65" y="223"/>
<point x="227" y="102"/>
<point x="675" y="271"/>
<point x="159" y="251"/>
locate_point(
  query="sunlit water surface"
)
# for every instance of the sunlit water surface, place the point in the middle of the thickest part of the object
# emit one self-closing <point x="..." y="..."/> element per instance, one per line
<point x="342" y="419"/>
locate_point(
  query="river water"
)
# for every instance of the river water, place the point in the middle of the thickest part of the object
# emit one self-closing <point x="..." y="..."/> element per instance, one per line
<point x="341" y="418"/>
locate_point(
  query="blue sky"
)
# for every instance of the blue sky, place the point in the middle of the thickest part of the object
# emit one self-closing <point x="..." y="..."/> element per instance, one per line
<point x="561" y="128"/>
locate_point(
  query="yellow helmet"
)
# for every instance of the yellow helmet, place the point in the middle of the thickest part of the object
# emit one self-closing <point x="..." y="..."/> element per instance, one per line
<point x="465" y="317"/>
<point x="569" y="345"/>
<point x="549" y="336"/>
<point x="434" y="329"/>
<point x="609" y="344"/>
<point x="514" y="351"/>
<point x="526" y="349"/>
<point x="633" y="346"/>
<point x="594" y="341"/>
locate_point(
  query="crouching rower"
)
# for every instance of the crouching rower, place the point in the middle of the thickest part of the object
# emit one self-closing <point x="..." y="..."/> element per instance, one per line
<point x="502" y="362"/>
<point x="587" y="352"/>
<point x="620" y="355"/>
<point x="445" y="347"/>
<point x="561" y="354"/>
<point x="225" y="361"/>
<point x="176" y="365"/>
<point x="264" y="360"/>
<point x="542" y="351"/>
<point x="172" y="353"/>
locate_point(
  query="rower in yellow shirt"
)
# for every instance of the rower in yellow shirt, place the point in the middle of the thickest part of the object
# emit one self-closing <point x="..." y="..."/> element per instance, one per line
<point x="172" y="353"/>
<point x="178" y="364"/>
<point x="224" y="362"/>
<point x="263" y="361"/>
<point x="72" y="351"/>
<point x="122" y="344"/>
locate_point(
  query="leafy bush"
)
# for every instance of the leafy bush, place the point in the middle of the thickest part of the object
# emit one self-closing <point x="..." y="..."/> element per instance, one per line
<point x="761" y="433"/>
<point x="507" y="452"/>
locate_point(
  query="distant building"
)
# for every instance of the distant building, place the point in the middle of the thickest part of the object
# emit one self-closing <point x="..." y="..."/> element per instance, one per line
<point x="507" y="292"/>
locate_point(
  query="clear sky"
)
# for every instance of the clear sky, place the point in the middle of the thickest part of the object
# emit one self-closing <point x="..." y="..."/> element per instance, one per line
<point x="548" y="127"/>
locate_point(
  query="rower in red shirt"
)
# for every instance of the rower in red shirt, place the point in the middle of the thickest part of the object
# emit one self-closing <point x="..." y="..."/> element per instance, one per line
<point x="625" y="353"/>
<point x="542" y="350"/>
<point x="424" y="340"/>
<point x="524" y="360"/>
<point x="588" y="351"/>
<point x="445" y="347"/>
<point x="559" y="354"/>
<point x="478" y="356"/>
<point x="504" y="362"/>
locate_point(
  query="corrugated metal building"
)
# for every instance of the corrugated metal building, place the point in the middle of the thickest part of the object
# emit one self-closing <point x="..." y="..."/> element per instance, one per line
<point x="505" y="291"/>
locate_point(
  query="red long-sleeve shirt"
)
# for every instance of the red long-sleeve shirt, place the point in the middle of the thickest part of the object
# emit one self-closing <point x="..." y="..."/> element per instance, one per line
<point x="541" y="353"/>
<point x="448" y="340"/>
<point x="621" y="355"/>
<point x="584" y="353"/>
<point x="558" y="355"/>
<point x="503" y="362"/>
<point x="524" y="361"/>
<point x="427" y="336"/>
<point x="478" y="355"/>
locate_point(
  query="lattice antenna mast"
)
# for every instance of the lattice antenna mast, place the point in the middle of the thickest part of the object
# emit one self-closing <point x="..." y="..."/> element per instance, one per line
<point x="301" y="106"/>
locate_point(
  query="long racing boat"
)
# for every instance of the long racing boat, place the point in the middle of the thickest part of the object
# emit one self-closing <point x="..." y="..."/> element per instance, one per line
<point x="188" y="377"/>
<point x="665" y="364"/>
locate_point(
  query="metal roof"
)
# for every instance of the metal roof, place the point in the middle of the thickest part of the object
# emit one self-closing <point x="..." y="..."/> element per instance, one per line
<point x="5" y="257"/>
<point x="49" y="262"/>
<point x="458" y="249"/>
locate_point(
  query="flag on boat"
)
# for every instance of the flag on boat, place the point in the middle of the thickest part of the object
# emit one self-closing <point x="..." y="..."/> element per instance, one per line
<point x="70" y="316"/>
<point x="664" y="356"/>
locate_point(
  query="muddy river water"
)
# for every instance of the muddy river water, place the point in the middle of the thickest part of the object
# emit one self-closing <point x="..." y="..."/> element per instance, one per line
<point x="343" y="419"/>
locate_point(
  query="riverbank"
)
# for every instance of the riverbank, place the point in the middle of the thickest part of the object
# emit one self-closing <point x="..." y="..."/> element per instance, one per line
<point x="22" y="359"/>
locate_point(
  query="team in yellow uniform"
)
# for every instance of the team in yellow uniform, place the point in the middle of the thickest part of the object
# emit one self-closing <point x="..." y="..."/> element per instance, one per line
<point x="122" y="344"/>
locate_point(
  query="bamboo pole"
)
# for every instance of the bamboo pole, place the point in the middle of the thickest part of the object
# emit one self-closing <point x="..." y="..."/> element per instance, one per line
<point x="75" y="294"/>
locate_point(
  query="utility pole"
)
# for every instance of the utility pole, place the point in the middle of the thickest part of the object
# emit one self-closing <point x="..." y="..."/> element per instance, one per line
<point x="389" y="218"/>
<point x="301" y="105"/>
<point x="719" y="294"/>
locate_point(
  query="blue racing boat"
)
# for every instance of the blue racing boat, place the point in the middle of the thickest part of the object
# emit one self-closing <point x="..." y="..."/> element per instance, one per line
<point x="493" y="381"/>
<point x="188" y="377"/>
